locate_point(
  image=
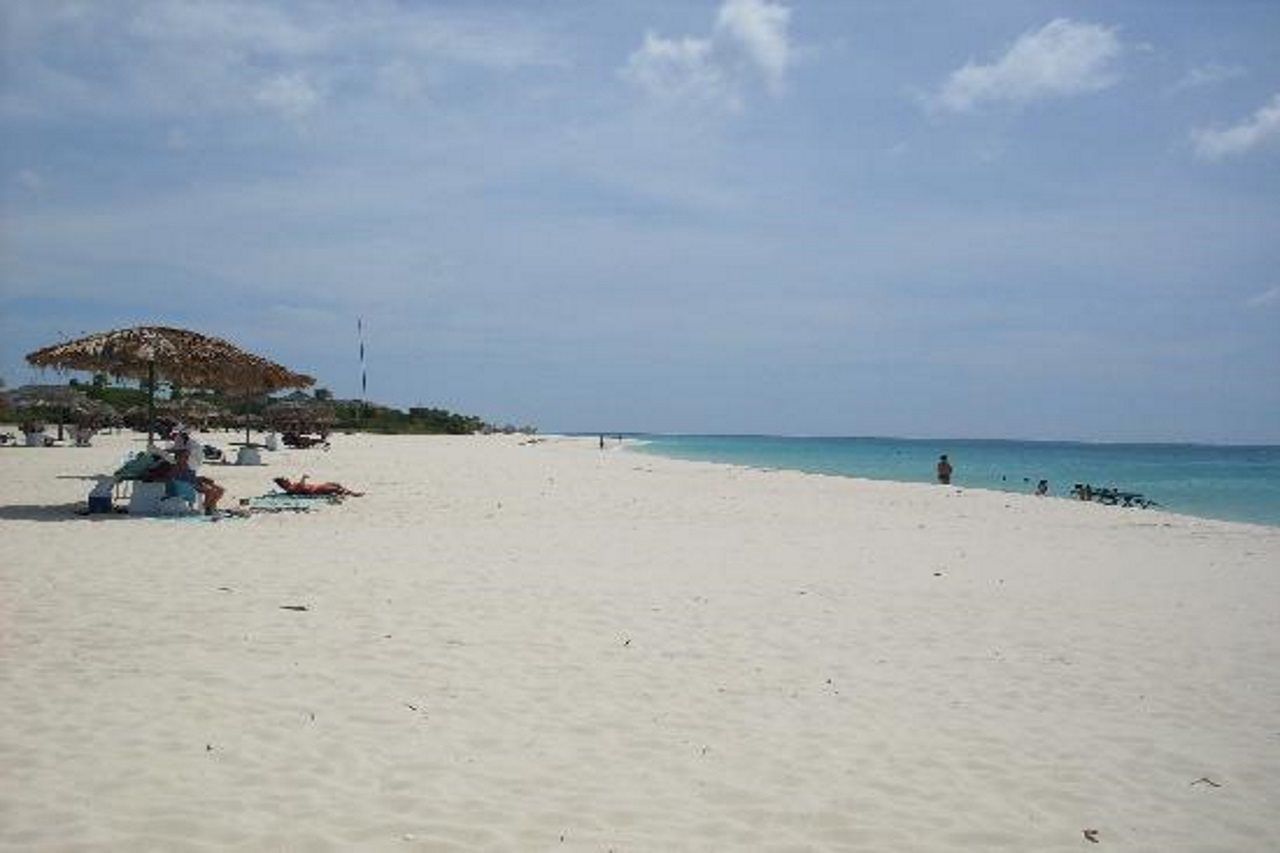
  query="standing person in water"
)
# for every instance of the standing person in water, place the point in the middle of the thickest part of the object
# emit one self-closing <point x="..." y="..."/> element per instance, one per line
<point x="944" y="470"/>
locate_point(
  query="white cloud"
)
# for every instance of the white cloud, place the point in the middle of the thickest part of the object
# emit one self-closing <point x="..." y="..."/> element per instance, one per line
<point x="291" y="95"/>
<point x="1208" y="75"/>
<point x="749" y="40"/>
<point x="30" y="180"/>
<point x="1260" y="128"/>
<point x="761" y="30"/>
<point x="222" y="57"/>
<point x="678" y="69"/>
<point x="1062" y="58"/>
<point x="1266" y="297"/>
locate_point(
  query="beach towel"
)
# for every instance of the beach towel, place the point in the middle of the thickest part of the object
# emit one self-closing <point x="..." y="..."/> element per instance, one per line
<point x="137" y="467"/>
<point x="199" y="517"/>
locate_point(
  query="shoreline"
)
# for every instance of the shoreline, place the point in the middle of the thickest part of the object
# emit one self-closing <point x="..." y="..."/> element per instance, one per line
<point x="1148" y="511"/>
<point x="840" y="464"/>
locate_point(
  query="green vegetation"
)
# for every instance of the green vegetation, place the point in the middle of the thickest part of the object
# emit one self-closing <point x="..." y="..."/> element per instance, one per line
<point x="352" y="415"/>
<point x="343" y="415"/>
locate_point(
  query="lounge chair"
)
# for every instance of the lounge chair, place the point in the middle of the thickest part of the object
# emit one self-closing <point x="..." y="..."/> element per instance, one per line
<point x="303" y="442"/>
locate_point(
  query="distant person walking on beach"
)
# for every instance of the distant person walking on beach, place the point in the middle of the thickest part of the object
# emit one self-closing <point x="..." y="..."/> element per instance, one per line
<point x="944" y="470"/>
<point x="1042" y="488"/>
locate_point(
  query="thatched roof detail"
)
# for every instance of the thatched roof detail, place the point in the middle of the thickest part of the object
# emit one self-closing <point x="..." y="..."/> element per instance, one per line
<point x="56" y="400"/>
<point x="44" y="396"/>
<point x="183" y="357"/>
<point x="193" y="407"/>
<point x="303" y="415"/>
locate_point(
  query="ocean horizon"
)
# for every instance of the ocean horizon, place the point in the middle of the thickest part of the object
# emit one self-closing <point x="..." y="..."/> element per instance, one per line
<point x="1230" y="482"/>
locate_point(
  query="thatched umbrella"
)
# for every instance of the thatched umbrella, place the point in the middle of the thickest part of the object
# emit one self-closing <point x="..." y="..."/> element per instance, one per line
<point x="182" y="357"/>
<point x="300" y="416"/>
<point x="58" y="400"/>
<point x="95" y="413"/>
<point x="195" y="411"/>
<point x="44" y="397"/>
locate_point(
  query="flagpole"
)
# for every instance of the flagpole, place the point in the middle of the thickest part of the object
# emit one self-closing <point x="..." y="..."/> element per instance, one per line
<point x="364" y="373"/>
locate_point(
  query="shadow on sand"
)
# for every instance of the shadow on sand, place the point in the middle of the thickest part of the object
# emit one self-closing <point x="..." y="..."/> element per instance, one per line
<point x="55" y="512"/>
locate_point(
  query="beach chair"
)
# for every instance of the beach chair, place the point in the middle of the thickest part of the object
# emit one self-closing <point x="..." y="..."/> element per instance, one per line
<point x="145" y="498"/>
<point x="172" y="497"/>
<point x="248" y="455"/>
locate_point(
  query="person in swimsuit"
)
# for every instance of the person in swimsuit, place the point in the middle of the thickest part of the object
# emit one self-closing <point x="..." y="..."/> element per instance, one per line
<point x="302" y="487"/>
<point x="944" y="470"/>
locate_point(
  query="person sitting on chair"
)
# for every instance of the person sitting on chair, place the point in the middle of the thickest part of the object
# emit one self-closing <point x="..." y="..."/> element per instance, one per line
<point x="182" y="476"/>
<point x="303" y="488"/>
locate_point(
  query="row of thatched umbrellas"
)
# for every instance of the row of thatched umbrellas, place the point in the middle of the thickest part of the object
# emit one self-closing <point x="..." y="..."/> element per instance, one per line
<point x="181" y="357"/>
<point x="68" y="403"/>
<point x="62" y="402"/>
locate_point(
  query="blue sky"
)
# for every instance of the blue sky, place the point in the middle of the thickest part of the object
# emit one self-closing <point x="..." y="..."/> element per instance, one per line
<point x="1021" y="219"/>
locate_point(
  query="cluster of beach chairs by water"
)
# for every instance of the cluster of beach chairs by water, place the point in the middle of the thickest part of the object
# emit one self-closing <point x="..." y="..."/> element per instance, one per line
<point x="1110" y="496"/>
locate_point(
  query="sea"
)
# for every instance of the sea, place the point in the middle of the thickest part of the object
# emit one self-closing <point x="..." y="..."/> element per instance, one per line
<point x="1233" y="483"/>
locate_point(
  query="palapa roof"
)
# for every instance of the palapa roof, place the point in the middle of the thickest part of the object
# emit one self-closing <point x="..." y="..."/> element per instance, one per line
<point x="44" y="396"/>
<point x="193" y="407"/>
<point x="300" y="414"/>
<point x="180" y="356"/>
<point x="57" y="399"/>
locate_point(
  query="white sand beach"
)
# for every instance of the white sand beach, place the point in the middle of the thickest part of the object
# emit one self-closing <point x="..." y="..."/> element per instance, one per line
<point x="546" y="646"/>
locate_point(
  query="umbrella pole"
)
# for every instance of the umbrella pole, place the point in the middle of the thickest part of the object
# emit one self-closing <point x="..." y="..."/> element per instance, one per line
<point x="151" y="402"/>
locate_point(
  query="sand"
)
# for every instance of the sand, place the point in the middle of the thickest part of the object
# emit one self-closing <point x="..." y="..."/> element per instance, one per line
<point x="546" y="646"/>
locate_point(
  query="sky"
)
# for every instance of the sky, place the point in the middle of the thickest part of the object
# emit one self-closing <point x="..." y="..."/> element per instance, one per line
<point x="929" y="219"/>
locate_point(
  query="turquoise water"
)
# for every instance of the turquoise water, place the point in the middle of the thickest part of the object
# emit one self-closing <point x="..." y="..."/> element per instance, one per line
<point x="1232" y="483"/>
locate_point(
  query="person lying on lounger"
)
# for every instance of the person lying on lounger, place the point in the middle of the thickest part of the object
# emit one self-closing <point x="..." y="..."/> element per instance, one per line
<point x="302" y="487"/>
